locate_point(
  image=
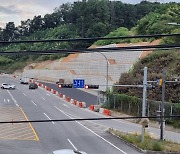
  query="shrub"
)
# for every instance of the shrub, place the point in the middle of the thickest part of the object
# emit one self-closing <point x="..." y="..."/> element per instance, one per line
<point x="157" y="146"/>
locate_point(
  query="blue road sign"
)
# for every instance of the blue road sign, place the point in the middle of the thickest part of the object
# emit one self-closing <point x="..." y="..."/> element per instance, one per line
<point x="78" y="83"/>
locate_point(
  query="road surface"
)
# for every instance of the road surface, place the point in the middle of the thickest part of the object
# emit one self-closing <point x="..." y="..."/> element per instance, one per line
<point x="43" y="138"/>
<point x="76" y="94"/>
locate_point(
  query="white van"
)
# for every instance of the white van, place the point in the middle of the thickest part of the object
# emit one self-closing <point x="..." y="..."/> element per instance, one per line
<point x="24" y="80"/>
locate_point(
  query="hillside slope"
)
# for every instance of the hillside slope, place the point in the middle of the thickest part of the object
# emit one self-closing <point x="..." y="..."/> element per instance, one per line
<point x="170" y="60"/>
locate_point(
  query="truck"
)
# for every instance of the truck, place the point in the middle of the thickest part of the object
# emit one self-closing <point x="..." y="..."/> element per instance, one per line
<point x="24" y="80"/>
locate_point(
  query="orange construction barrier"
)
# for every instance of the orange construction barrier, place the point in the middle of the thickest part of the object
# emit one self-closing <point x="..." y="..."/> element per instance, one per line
<point x="106" y="112"/>
<point x="80" y="104"/>
<point x="91" y="107"/>
<point x="68" y="99"/>
<point x="54" y="91"/>
<point x="60" y="95"/>
<point x="75" y="102"/>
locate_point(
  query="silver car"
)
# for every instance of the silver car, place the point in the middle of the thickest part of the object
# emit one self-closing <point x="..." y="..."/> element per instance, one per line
<point x="7" y="86"/>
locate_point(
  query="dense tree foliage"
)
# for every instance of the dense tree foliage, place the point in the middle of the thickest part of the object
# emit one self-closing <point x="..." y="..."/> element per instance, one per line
<point x="156" y="22"/>
<point x="91" y="18"/>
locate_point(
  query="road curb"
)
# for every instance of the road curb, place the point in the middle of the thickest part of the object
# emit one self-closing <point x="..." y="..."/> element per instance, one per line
<point x="139" y="149"/>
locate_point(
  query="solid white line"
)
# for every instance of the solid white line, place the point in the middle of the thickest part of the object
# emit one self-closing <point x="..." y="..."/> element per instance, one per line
<point x="13" y="98"/>
<point x="4" y="100"/>
<point x="72" y="144"/>
<point x="43" y="98"/>
<point x="66" y="105"/>
<point x="33" y="103"/>
<point x="48" y="117"/>
<point x="92" y="132"/>
<point x="24" y="94"/>
<point x="8" y="100"/>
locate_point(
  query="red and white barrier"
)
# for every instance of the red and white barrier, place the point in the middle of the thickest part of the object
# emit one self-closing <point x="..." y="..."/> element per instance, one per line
<point x="105" y="111"/>
<point x="60" y="95"/>
<point x="71" y="101"/>
<point x="68" y="99"/>
<point x="64" y="97"/>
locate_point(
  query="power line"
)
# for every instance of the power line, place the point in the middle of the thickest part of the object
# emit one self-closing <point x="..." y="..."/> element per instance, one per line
<point x="88" y="119"/>
<point x="114" y="49"/>
<point x="90" y="39"/>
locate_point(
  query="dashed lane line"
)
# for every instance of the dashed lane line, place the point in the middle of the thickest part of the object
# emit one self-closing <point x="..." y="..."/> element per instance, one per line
<point x="48" y="117"/>
<point x="34" y="103"/>
<point x="66" y="105"/>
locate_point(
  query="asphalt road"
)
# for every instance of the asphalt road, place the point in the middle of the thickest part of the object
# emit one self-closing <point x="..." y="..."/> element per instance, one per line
<point x="122" y="125"/>
<point x="43" y="138"/>
<point x="75" y="94"/>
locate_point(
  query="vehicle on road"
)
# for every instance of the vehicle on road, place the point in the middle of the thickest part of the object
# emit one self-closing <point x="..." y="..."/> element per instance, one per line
<point x="33" y="86"/>
<point x="7" y="86"/>
<point x="60" y="81"/>
<point x="68" y="151"/>
<point x="24" y="80"/>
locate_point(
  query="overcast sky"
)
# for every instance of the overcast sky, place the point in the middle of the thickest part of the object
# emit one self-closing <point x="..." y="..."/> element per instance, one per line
<point x="18" y="10"/>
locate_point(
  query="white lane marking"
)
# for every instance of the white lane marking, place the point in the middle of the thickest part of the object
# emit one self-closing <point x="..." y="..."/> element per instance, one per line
<point x="86" y="120"/>
<point x="92" y="131"/>
<point x="13" y="98"/>
<point x="33" y="103"/>
<point x="24" y="94"/>
<point x="43" y="98"/>
<point x="18" y="88"/>
<point x="8" y="100"/>
<point x="4" y="100"/>
<point x="48" y="117"/>
<point x="72" y="144"/>
<point x="66" y="105"/>
<point x="48" y="94"/>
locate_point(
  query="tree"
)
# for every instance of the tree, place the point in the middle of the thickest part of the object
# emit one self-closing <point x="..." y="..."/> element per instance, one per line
<point x="36" y="24"/>
<point x="10" y="31"/>
<point x="24" y="27"/>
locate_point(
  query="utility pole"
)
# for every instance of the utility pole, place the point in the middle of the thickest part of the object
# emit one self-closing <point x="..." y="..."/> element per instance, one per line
<point x="162" y="104"/>
<point x="144" y="101"/>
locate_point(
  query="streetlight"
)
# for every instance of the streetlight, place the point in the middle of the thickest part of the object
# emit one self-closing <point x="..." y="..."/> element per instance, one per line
<point x="107" y="66"/>
<point x="106" y="69"/>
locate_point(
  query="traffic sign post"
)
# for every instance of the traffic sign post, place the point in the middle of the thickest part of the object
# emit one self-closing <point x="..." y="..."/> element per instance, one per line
<point x="78" y="83"/>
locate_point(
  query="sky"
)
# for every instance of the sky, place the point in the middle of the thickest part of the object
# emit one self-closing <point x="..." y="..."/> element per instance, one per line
<point x="20" y="10"/>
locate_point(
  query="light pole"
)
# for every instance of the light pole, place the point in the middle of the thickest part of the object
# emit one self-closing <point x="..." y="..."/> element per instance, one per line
<point x="107" y="66"/>
<point x="106" y="69"/>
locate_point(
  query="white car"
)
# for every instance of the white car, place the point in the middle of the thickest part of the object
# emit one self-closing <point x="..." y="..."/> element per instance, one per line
<point x="8" y="86"/>
<point x="68" y="151"/>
